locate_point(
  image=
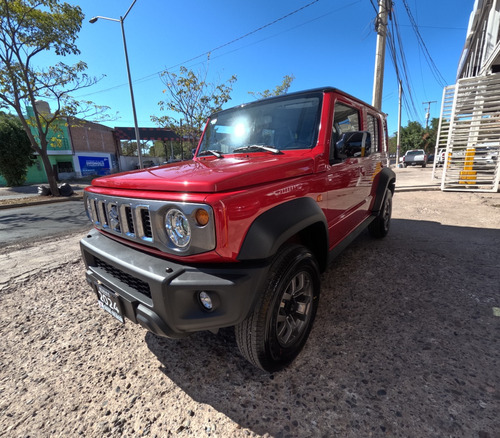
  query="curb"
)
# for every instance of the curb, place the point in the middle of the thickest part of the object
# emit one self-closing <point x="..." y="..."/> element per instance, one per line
<point x="417" y="188"/>
<point x="41" y="202"/>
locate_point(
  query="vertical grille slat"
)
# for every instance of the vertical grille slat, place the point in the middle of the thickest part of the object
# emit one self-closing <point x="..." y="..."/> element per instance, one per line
<point x="103" y="217"/>
<point x="114" y="217"/>
<point x="146" y="223"/>
<point x="130" y="220"/>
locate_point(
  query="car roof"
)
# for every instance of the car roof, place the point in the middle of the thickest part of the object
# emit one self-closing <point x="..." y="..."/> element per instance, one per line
<point x="305" y="93"/>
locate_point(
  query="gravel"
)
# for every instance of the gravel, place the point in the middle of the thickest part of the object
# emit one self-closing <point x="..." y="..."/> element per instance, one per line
<point x="406" y="343"/>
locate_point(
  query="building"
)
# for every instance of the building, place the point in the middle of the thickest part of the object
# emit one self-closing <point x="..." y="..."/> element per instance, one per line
<point x="95" y="149"/>
<point x="76" y="149"/>
<point x="469" y="127"/>
<point x="79" y="149"/>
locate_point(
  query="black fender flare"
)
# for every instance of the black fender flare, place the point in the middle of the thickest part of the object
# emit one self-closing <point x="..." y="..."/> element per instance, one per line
<point x="275" y="226"/>
<point x="386" y="179"/>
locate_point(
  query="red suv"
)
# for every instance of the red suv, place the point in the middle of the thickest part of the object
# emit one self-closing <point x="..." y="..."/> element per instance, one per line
<point x="239" y="235"/>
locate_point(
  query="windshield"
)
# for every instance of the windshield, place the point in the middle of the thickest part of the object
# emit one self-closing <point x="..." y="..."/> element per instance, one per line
<point x="277" y="124"/>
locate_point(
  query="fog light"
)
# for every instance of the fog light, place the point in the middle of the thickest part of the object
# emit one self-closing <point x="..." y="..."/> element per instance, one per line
<point x="205" y="300"/>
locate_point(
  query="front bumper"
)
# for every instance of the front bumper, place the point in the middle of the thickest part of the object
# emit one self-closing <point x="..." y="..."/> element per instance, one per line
<point x="162" y="296"/>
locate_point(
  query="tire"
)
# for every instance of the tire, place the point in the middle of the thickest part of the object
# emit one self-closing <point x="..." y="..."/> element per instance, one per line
<point x="405" y="165"/>
<point x="381" y="224"/>
<point x="273" y="335"/>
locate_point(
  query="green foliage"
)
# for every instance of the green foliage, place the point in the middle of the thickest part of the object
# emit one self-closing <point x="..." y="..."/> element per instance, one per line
<point x="192" y="97"/>
<point x="393" y="144"/>
<point x="128" y="148"/>
<point x="415" y="136"/>
<point x="278" y="90"/>
<point x="15" y="151"/>
<point x="28" y="28"/>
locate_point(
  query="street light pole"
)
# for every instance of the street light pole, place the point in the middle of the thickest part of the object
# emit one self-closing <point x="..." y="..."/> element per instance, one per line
<point x="121" y="20"/>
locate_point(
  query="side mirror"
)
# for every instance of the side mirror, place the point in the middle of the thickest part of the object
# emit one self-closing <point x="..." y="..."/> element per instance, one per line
<point x="353" y="144"/>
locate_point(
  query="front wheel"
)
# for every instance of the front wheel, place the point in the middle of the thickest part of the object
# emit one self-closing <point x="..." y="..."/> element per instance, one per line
<point x="277" y="329"/>
<point x="380" y="225"/>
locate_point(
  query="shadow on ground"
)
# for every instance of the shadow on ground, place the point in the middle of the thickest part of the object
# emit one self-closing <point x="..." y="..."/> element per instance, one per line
<point x="405" y="343"/>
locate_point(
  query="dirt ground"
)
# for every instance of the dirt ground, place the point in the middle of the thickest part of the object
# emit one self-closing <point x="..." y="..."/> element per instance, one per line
<point x="406" y="343"/>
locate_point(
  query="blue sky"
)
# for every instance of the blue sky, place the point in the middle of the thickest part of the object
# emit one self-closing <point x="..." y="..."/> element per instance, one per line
<point x="330" y="42"/>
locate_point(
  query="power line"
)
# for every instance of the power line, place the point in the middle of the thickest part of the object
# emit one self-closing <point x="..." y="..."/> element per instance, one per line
<point x="435" y="71"/>
<point x="213" y="50"/>
<point x="397" y="52"/>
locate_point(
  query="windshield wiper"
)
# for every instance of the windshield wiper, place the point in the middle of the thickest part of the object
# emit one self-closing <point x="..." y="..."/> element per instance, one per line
<point x="258" y="147"/>
<point x="211" y="151"/>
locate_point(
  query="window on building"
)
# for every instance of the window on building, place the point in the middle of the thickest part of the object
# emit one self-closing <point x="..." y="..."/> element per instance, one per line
<point x="65" y="167"/>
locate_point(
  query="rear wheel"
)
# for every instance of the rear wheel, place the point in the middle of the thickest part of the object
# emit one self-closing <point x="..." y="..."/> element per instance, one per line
<point x="275" y="332"/>
<point x="380" y="225"/>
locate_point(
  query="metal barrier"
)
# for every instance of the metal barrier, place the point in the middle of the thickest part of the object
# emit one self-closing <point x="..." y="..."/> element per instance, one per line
<point x="472" y="134"/>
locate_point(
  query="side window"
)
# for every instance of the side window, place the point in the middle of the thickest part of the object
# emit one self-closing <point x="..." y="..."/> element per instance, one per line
<point x="345" y="119"/>
<point x="374" y="130"/>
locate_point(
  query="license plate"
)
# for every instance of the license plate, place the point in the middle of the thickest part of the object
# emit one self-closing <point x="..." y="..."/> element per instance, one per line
<point x="108" y="301"/>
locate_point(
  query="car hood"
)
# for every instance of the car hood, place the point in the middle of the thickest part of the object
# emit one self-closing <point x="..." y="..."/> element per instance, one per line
<point x="210" y="175"/>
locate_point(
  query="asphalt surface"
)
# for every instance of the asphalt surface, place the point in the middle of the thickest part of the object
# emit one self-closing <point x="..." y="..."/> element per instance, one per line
<point x="27" y="223"/>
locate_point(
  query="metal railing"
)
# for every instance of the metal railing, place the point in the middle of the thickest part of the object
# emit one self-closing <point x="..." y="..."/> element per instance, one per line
<point x="473" y="136"/>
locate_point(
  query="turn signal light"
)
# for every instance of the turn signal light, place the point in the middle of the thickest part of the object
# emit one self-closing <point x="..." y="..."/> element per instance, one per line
<point x="202" y="217"/>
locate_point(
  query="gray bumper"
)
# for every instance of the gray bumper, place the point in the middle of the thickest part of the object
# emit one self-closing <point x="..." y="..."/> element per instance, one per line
<point x="162" y="296"/>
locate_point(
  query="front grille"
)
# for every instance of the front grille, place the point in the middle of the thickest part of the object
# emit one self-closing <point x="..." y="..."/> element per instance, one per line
<point x="134" y="283"/>
<point x="143" y="222"/>
<point x="130" y="219"/>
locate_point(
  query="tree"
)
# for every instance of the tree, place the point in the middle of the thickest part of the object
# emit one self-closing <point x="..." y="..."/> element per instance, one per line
<point x="15" y="151"/>
<point x="278" y="90"/>
<point x="415" y="136"/>
<point x="192" y="97"/>
<point x="412" y="137"/>
<point x="128" y="148"/>
<point x="28" y="28"/>
<point x="431" y="135"/>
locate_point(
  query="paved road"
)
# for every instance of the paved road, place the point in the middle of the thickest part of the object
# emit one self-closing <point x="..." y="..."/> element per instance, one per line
<point x="18" y="225"/>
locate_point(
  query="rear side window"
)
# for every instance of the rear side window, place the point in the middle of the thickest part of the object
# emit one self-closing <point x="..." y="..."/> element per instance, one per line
<point x="374" y="130"/>
<point x="346" y="118"/>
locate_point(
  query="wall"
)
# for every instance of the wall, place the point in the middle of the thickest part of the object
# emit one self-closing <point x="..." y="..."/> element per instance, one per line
<point x="92" y="137"/>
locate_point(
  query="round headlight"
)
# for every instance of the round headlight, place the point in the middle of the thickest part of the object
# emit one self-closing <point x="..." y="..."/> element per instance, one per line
<point x="178" y="229"/>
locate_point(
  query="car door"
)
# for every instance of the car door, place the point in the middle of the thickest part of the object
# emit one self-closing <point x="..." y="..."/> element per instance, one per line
<point x="344" y="190"/>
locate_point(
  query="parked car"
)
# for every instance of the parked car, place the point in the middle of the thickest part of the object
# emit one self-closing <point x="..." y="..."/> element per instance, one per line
<point x="415" y="157"/>
<point x="486" y="155"/>
<point x="441" y="156"/>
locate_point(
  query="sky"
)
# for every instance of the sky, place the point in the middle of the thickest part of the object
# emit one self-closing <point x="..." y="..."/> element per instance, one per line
<point x="326" y="43"/>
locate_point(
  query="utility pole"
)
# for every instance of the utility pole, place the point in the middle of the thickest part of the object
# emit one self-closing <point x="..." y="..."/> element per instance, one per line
<point x="398" y="144"/>
<point x="428" y="112"/>
<point x="381" y="29"/>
